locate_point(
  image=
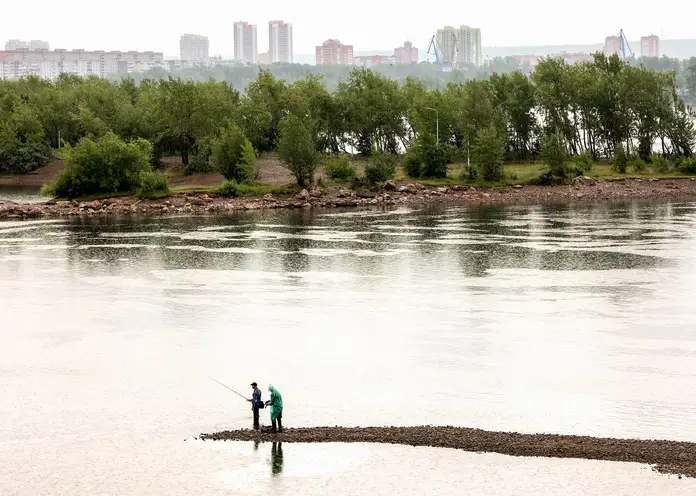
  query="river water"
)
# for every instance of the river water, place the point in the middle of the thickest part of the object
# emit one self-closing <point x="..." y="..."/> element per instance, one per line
<point x="534" y="319"/>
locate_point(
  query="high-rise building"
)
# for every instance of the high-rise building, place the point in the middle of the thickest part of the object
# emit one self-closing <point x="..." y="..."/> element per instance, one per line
<point x="650" y="46"/>
<point x="333" y="52"/>
<point x="280" y="42"/>
<point x="460" y="46"/>
<point x="33" y="45"/>
<point x="194" y="49"/>
<point x="245" y="43"/>
<point x="407" y="54"/>
<point x="612" y="45"/>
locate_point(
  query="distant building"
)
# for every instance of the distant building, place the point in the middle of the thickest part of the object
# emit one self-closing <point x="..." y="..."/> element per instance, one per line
<point x="33" y="45"/>
<point x="572" y="58"/>
<point x="50" y="64"/>
<point x="245" y="43"/>
<point x="650" y="46"/>
<point x="526" y="60"/>
<point x="263" y="58"/>
<point x="280" y="49"/>
<point x="332" y="52"/>
<point x="612" y="45"/>
<point x="194" y="49"/>
<point x="407" y="54"/>
<point x="373" y="60"/>
<point x="461" y="46"/>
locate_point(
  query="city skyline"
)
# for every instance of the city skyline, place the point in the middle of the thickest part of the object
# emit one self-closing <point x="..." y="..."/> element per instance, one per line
<point x="211" y="18"/>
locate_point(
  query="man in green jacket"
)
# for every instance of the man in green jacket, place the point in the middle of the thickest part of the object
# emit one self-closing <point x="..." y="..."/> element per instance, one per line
<point x="276" y="404"/>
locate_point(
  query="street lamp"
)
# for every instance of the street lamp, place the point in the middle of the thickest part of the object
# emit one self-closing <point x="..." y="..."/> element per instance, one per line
<point x="437" y="123"/>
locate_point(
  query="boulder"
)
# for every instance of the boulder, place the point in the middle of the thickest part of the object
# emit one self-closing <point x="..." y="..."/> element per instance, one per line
<point x="390" y="186"/>
<point x="302" y="195"/>
<point x="366" y="194"/>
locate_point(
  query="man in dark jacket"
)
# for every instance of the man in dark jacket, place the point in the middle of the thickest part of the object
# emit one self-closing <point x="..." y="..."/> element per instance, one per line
<point x="256" y="403"/>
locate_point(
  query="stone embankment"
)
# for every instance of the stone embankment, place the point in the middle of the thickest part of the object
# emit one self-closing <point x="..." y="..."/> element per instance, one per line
<point x="670" y="457"/>
<point x="583" y="190"/>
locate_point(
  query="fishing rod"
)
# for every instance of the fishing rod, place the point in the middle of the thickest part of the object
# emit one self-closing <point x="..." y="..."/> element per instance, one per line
<point x="235" y="392"/>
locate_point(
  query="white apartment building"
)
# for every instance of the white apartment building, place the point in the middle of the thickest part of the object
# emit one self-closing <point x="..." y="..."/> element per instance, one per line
<point x="33" y="45"/>
<point x="194" y="49"/>
<point x="50" y="64"/>
<point x="280" y="49"/>
<point x="460" y="46"/>
<point x="245" y="43"/>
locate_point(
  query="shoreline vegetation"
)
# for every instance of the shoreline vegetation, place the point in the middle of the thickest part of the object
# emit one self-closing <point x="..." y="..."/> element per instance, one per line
<point x="370" y="141"/>
<point x="667" y="457"/>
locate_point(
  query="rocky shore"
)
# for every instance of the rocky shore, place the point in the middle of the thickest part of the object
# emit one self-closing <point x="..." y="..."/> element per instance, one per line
<point x="670" y="457"/>
<point x="583" y="190"/>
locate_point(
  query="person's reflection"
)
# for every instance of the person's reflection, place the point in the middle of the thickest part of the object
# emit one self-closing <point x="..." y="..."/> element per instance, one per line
<point x="276" y="458"/>
<point x="256" y="445"/>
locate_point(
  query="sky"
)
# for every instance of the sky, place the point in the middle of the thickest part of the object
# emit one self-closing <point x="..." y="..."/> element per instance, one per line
<point x="366" y="24"/>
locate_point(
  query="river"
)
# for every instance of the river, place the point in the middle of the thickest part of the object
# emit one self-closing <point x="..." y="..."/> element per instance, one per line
<point x="533" y="319"/>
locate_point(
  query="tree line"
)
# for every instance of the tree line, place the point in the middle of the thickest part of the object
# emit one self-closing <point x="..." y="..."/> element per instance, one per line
<point x="598" y="109"/>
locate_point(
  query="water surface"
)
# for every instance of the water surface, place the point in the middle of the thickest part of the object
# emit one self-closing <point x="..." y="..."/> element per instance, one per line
<point x="554" y="319"/>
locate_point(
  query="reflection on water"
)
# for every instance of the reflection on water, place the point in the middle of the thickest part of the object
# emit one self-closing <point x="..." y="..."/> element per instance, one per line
<point x="556" y="319"/>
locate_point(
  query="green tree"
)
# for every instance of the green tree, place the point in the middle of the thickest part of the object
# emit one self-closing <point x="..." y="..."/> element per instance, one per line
<point x="489" y="153"/>
<point x="296" y="148"/>
<point x="554" y="153"/>
<point x="233" y="155"/>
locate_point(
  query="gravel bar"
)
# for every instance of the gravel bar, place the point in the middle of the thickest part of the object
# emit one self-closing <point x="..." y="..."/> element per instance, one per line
<point x="669" y="457"/>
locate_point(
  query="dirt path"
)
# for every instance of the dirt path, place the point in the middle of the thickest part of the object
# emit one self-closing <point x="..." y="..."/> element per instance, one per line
<point x="665" y="456"/>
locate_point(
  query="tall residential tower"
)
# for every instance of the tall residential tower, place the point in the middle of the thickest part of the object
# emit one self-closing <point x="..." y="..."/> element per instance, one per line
<point x="280" y="42"/>
<point x="194" y="48"/>
<point x="460" y="46"/>
<point x="245" y="43"/>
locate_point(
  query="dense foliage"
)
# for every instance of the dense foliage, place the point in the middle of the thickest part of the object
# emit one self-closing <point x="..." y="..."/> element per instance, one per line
<point x="592" y="109"/>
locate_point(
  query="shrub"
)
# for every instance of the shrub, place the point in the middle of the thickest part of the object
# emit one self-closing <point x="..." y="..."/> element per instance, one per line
<point x="637" y="165"/>
<point x="381" y="167"/>
<point x="555" y="155"/>
<point x="340" y="168"/>
<point x="620" y="161"/>
<point x="489" y="154"/>
<point x="687" y="165"/>
<point x="228" y="188"/>
<point x="233" y="155"/>
<point x="231" y="188"/>
<point x="24" y="157"/>
<point x="660" y="163"/>
<point x="413" y="163"/>
<point x="107" y="165"/>
<point x="583" y="162"/>
<point x="296" y="149"/>
<point x="435" y="160"/>
<point x="152" y="184"/>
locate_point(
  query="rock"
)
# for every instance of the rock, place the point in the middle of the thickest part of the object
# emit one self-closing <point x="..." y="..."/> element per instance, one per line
<point x="342" y="193"/>
<point x="366" y="194"/>
<point x="302" y="195"/>
<point x="583" y="180"/>
<point x="472" y="189"/>
<point x="411" y="189"/>
<point x="268" y="198"/>
<point x="443" y="191"/>
<point x="386" y="197"/>
<point x="517" y="186"/>
<point x="316" y="193"/>
<point x="419" y="186"/>
<point x="390" y="186"/>
<point x="96" y="205"/>
<point x="374" y="201"/>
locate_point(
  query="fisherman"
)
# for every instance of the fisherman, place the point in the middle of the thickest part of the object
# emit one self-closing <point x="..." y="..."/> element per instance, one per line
<point x="276" y="404"/>
<point x="256" y="404"/>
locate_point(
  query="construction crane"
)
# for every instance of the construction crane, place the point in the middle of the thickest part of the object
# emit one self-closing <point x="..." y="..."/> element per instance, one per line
<point x="624" y="47"/>
<point x="437" y="50"/>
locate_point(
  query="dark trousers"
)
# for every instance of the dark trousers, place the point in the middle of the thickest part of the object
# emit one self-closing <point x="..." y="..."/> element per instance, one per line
<point x="256" y="418"/>
<point x="280" y="423"/>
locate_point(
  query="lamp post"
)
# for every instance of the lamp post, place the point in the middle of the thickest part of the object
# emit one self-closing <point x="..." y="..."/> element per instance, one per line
<point x="437" y="123"/>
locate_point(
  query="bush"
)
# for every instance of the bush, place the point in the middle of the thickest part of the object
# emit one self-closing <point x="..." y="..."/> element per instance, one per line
<point x="555" y="155"/>
<point x="340" y="168"/>
<point x="381" y="167"/>
<point x="25" y="157"/>
<point x="199" y="164"/>
<point x="583" y="162"/>
<point x="435" y="162"/>
<point x="413" y="163"/>
<point x="228" y="188"/>
<point x="637" y="165"/>
<point x="296" y="149"/>
<point x="233" y="155"/>
<point x="231" y="188"/>
<point x="660" y="163"/>
<point x="152" y="184"/>
<point x="687" y="165"/>
<point x="620" y="161"/>
<point x="107" y="165"/>
<point x="489" y="155"/>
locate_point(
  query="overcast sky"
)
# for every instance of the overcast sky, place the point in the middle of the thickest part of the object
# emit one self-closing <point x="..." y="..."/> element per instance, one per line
<point x="367" y="24"/>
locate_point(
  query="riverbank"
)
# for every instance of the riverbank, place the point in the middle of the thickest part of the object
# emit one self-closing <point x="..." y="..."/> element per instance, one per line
<point x="583" y="190"/>
<point x="669" y="457"/>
